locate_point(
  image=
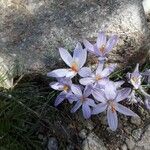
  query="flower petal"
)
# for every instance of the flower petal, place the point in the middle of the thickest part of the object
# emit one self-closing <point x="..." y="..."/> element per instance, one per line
<point x="86" y="111"/>
<point x="118" y="84"/>
<point x="88" y="46"/>
<point x="79" y="55"/>
<point x="65" y="81"/>
<point x="56" y="86"/>
<point x="86" y="81"/>
<point x="112" y="119"/>
<point x="99" y="108"/>
<point x="99" y="95"/>
<point x="76" y="106"/>
<point x="99" y="68"/>
<point x="65" y="55"/>
<point x="122" y="94"/>
<point x="76" y="89"/>
<point x="112" y="42"/>
<point x="70" y="73"/>
<point x="90" y="102"/>
<point x="85" y="72"/>
<point x="124" y="110"/>
<point x="58" y="73"/>
<point x="87" y="90"/>
<point x="101" y="40"/>
<point x="137" y="68"/>
<point x="103" y="82"/>
<point x="136" y="77"/>
<point x="71" y="97"/>
<point x="60" y="98"/>
<point x="108" y="70"/>
<point x="110" y="91"/>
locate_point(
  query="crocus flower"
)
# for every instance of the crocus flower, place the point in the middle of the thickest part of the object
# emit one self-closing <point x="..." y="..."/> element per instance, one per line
<point x="100" y="76"/>
<point x="82" y="99"/>
<point x="135" y="77"/>
<point x="75" y="63"/>
<point x="110" y="98"/>
<point x="102" y="47"/>
<point x="63" y="85"/>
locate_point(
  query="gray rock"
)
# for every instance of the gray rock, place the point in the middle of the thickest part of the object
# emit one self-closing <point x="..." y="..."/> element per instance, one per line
<point x="124" y="147"/>
<point x="146" y="5"/>
<point x="31" y="31"/>
<point x="52" y="144"/>
<point x="144" y="142"/>
<point x="136" y="120"/>
<point x="83" y="134"/>
<point x="92" y="142"/>
<point x="130" y="143"/>
<point x="137" y="134"/>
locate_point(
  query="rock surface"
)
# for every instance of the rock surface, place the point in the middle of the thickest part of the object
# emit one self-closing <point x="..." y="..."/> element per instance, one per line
<point x="144" y="142"/>
<point x="31" y="31"/>
<point x="92" y="142"/>
<point x="139" y="139"/>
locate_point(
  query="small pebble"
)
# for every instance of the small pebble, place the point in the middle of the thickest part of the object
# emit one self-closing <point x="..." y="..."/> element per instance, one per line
<point x="52" y="144"/>
<point x="124" y="147"/>
<point x="83" y="134"/>
<point x="136" y="120"/>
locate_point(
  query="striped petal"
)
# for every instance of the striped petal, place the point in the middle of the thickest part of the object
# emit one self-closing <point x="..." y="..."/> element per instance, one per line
<point x="76" y="90"/>
<point x="85" y="72"/>
<point x="58" y="73"/>
<point x="124" y="110"/>
<point x="65" y="55"/>
<point x="76" y="107"/>
<point x="86" y="111"/>
<point x="101" y="40"/>
<point x="112" y="42"/>
<point x="88" y="46"/>
<point x="99" y="95"/>
<point x="60" y="98"/>
<point x="80" y="55"/>
<point x="99" y="108"/>
<point x="87" y="81"/>
<point x="122" y="94"/>
<point x="112" y="119"/>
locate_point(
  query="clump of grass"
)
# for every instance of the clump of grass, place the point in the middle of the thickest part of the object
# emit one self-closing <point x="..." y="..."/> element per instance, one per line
<point x="22" y="111"/>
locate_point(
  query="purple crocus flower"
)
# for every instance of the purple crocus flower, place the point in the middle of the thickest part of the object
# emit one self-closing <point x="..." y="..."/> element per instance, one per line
<point x="82" y="99"/>
<point x="63" y="85"/>
<point x="110" y="98"/>
<point x="100" y="76"/>
<point x="135" y="77"/>
<point x="102" y="47"/>
<point x="75" y="63"/>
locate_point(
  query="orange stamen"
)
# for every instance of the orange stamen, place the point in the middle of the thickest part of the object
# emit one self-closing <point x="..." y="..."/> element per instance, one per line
<point x="98" y="77"/>
<point x="113" y="108"/>
<point x="102" y="48"/>
<point x="74" y="67"/>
